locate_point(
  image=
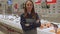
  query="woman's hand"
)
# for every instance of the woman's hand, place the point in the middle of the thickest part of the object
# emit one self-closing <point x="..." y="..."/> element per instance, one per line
<point x="37" y="21"/>
<point x="27" y="24"/>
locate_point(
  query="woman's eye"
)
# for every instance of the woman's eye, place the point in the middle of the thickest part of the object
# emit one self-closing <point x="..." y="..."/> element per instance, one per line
<point x="29" y="5"/>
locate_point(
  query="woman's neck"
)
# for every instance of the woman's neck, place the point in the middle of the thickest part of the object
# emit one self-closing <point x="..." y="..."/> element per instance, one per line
<point x="29" y="12"/>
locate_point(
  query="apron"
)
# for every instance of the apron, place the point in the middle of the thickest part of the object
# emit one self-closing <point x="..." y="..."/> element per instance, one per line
<point x="33" y="31"/>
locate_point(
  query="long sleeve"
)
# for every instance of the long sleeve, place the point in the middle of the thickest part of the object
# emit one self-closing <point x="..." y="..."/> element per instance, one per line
<point x="32" y="25"/>
<point x="37" y="18"/>
<point x="22" y="21"/>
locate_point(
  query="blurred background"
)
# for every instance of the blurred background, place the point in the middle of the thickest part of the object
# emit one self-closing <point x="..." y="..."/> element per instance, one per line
<point x="47" y="10"/>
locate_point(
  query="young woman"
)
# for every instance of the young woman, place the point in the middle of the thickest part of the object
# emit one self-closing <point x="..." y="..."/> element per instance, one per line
<point x="29" y="19"/>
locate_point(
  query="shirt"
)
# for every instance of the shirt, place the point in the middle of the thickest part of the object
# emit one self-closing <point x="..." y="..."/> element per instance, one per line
<point x="33" y="26"/>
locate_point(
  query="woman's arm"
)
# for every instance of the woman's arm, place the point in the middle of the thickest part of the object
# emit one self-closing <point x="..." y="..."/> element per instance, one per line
<point x="23" y="21"/>
<point x="38" y="23"/>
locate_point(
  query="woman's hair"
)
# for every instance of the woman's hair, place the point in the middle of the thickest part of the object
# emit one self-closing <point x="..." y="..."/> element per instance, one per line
<point x="0" y="5"/>
<point x="32" y="11"/>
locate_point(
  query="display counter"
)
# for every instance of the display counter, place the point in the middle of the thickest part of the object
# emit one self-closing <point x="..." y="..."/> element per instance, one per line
<point x="11" y="25"/>
<point x="14" y="25"/>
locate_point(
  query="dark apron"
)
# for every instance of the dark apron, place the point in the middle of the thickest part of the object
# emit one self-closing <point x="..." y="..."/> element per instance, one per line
<point x="33" y="31"/>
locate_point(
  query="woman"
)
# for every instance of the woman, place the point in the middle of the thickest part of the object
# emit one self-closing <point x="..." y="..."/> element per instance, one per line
<point x="29" y="19"/>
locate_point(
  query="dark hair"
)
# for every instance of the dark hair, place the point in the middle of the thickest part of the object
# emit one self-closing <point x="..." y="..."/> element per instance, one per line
<point x="0" y="5"/>
<point x="32" y="11"/>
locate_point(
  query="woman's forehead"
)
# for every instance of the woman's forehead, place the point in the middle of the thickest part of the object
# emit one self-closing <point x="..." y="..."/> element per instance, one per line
<point x="28" y="2"/>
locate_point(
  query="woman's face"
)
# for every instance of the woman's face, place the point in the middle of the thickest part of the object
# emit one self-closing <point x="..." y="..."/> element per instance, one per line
<point x="29" y="6"/>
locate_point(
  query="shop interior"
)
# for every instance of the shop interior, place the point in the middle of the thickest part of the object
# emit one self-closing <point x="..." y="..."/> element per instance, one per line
<point x="10" y="11"/>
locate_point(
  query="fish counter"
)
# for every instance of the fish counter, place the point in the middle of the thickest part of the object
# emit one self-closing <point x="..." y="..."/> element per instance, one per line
<point x="13" y="24"/>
